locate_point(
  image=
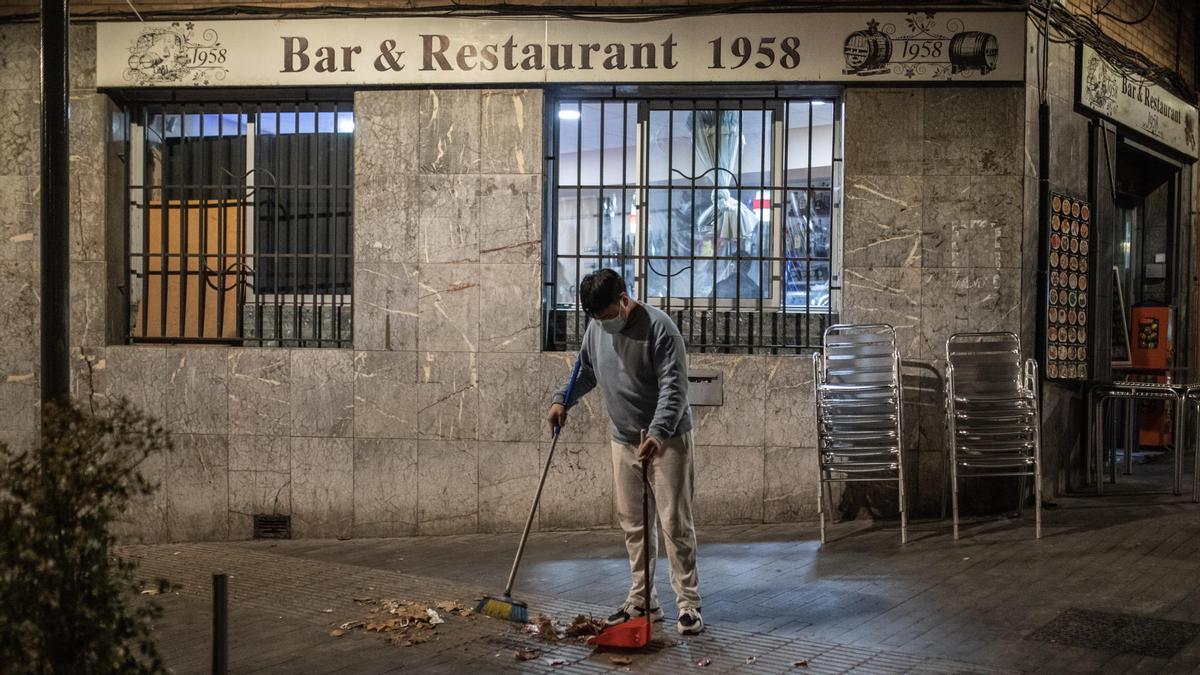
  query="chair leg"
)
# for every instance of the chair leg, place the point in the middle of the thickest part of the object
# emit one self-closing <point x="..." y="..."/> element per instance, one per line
<point x="1020" y="496"/>
<point x="1037" y="498"/>
<point x="821" y="503"/>
<point x="1178" y="439"/>
<point x="954" y="490"/>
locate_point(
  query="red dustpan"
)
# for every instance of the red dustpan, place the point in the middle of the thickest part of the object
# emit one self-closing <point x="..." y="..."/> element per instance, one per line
<point x="636" y="632"/>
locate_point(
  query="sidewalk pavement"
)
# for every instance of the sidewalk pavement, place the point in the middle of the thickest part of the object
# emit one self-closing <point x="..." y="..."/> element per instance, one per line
<point x="774" y="601"/>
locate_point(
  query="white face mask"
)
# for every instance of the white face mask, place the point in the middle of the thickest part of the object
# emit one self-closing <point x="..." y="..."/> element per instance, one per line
<point x="616" y="324"/>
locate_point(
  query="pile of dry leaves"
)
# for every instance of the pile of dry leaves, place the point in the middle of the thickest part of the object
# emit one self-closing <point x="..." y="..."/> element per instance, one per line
<point x="581" y="628"/>
<point x="404" y="622"/>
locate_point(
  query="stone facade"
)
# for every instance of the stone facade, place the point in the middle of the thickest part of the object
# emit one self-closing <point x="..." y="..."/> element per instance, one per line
<point x="433" y="423"/>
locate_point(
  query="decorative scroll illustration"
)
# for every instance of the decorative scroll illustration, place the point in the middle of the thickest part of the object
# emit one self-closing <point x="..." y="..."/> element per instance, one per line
<point x="174" y="55"/>
<point x="923" y="50"/>
<point x="1067" y="308"/>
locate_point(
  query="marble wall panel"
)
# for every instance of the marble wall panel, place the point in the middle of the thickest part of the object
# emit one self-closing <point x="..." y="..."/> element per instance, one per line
<point x="973" y="131"/>
<point x="82" y="56"/>
<point x="790" y="408"/>
<point x="89" y="127"/>
<point x="1068" y="148"/>
<point x="322" y="487"/>
<point x="385" y="395"/>
<point x="972" y="221"/>
<point x="508" y="478"/>
<point x="883" y="221"/>
<point x="260" y="480"/>
<point x="448" y="306"/>
<point x="385" y="217"/>
<point x="448" y="229"/>
<point x="511" y="131"/>
<point x="510" y="317"/>
<point x="322" y="400"/>
<point x="385" y="487"/>
<point x="385" y="306"/>
<point x="447" y="395"/>
<point x="889" y="132"/>
<point x="386" y="133"/>
<point x="742" y="418"/>
<point x="88" y="302"/>
<point x="19" y="133"/>
<point x="790" y="484"/>
<point x="450" y="121"/>
<point x="578" y="493"/>
<point x="729" y="484"/>
<point x="260" y="392"/>
<point x="19" y="217"/>
<point x="197" y="393"/>
<point x="19" y="63"/>
<point x="136" y="374"/>
<point x="198" y="487"/>
<point x="888" y="295"/>
<point x="510" y="218"/>
<point x="448" y="487"/>
<point x="945" y="308"/>
<point x="145" y="519"/>
<point x="514" y="396"/>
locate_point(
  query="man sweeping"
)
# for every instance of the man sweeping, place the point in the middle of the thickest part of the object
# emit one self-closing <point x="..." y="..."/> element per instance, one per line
<point x="637" y="356"/>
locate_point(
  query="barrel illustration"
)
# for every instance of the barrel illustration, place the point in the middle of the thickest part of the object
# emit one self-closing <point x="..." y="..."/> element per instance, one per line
<point x="867" y="50"/>
<point x="973" y="50"/>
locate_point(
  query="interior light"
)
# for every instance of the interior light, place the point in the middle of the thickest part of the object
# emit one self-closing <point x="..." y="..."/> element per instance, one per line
<point x="345" y="124"/>
<point x="568" y="114"/>
<point x="820" y="102"/>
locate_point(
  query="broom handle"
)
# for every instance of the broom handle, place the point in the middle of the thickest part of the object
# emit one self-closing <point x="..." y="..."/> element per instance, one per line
<point x="646" y="527"/>
<point x="537" y="496"/>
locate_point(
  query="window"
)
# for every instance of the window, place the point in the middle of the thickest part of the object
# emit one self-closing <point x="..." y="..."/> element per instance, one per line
<point x="240" y="224"/>
<point x="723" y="211"/>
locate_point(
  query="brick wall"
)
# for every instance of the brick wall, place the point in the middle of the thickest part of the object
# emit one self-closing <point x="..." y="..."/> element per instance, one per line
<point x="1167" y="36"/>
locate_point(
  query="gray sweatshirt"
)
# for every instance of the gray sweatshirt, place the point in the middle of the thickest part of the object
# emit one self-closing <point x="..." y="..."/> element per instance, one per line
<point x="643" y="373"/>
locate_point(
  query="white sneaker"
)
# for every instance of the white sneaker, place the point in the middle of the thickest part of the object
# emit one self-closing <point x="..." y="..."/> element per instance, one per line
<point x="629" y="611"/>
<point x="690" y="622"/>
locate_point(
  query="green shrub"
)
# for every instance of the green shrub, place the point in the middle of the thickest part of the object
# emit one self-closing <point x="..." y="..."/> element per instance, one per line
<point x="66" y="598"/>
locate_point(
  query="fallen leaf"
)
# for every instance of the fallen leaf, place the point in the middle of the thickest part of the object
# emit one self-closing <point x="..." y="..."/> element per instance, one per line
<point x="751" y="659"/>
<point x="547" y="628"/>
<point x="527" y="654"/>
<point x="621" y="660"/>
<point x="364" y="601"/>
<point x="558" y="662"/>
<point x="150" y="591"/>
<point x="351" y="625"/>
<point x="704" y="662"/>
<point x="583" y="626"/>
<point x="327" y="611"/>
<point x="799" y="664"/>
<point x="337" y="632"/>
<point x="434" y="618"/>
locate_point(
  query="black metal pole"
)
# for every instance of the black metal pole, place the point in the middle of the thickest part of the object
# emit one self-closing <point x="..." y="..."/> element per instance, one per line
<point x="55" y="230"/>
<point x="220" y="635"/>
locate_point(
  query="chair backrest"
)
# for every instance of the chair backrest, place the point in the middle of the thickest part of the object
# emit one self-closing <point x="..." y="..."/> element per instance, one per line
<point x="985" y="364"/>
<point x="863" y="354"/>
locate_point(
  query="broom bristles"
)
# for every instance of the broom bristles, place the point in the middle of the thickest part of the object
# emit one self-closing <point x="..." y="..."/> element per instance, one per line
<point x="503" y="609"/>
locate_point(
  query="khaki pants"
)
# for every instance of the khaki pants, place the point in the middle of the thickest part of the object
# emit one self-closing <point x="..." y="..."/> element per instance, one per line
<point x="671" y="478"/>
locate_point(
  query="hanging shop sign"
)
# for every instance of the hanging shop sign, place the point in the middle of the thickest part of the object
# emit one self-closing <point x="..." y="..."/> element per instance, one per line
<point x="1067" y="306"/>
<point x="797" y="47"/>
<point x="1136" y="103"/>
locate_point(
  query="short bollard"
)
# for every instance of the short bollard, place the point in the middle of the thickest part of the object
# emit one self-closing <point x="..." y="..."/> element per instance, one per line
<point x="220" y="626"/>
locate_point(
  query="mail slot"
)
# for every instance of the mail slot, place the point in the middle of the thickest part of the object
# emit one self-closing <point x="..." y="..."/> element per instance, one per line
<point x="704" y="387"/>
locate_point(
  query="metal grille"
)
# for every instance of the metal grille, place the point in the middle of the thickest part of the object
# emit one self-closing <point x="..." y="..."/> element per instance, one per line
<point x="1127" y="633"/>
<point x="721" y="209"/>
<point x="240" y="221"/>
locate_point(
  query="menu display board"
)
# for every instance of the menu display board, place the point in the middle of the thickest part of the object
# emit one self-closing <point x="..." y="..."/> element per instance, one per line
<point x="1067" y="307"/>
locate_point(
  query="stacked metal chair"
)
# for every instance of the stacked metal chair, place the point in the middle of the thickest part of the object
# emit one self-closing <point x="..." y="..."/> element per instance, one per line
<point x="992" y="414"/>
<point x="859" y="402"/>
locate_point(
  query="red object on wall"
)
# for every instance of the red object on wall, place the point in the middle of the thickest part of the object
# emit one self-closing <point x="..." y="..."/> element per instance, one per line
<point x="1151" y="352"/>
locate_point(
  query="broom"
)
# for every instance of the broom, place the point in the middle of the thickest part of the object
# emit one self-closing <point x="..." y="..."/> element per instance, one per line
<point x="503" y="606"/>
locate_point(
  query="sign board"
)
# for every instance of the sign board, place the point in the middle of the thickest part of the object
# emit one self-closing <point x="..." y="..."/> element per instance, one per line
<point x="1135" y="103"/>
<point x="864" y="47"/>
